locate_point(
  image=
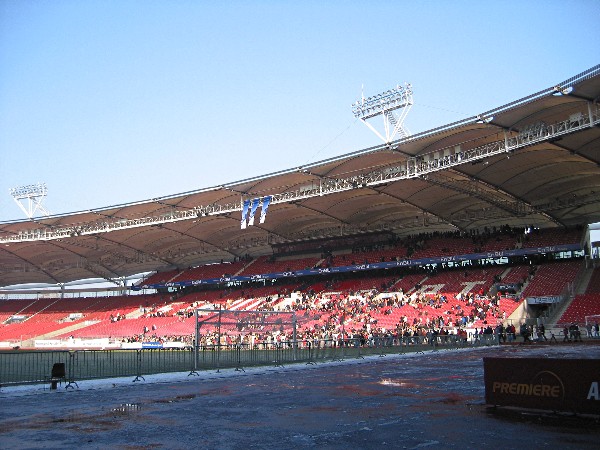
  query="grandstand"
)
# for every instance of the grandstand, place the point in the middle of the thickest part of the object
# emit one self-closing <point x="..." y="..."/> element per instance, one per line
<point x="384" y="300"/>
<point x="458" y="227"/>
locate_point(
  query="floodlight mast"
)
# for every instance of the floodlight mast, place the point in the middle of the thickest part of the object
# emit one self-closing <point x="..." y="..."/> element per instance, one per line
<point x="32" y="195"/>
<point x="385" y="104"/>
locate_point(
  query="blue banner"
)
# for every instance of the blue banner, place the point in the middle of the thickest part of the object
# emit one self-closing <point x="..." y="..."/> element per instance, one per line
<point x="255" y="203"/>
<point x="245" y="212"/>
<point x="151" y="345"/>
<point x="265" y="207"/>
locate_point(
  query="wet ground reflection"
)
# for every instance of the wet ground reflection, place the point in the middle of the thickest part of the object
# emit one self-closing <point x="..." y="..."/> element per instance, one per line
<point x="431" y="400"/>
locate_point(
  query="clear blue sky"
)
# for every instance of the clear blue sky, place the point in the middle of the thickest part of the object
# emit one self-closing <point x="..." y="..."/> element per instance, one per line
<point x="109" y="102"/>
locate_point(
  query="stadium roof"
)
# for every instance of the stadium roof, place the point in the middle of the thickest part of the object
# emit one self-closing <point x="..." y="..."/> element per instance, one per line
<point x="535" y="161"/>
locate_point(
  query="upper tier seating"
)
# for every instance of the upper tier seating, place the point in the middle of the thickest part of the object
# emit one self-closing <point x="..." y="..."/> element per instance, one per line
<point x="161" y="277"/>
<point x="422" y="247"/>
<point x="389" y="253"/>
<point x="552" y="236"/>
<point x="444" y="246"/>
<point x="266" y="264"/>
<point x="209" y="271"/>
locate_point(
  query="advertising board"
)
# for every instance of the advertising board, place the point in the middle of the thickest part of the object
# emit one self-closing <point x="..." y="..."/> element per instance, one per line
<point x="570" y="385"/>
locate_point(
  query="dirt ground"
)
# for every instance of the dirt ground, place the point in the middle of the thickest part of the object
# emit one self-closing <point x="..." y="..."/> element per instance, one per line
<point x="431" y="399"/>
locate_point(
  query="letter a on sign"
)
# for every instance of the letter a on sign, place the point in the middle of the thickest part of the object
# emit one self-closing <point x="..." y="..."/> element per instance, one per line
<point x="593" y="394"/>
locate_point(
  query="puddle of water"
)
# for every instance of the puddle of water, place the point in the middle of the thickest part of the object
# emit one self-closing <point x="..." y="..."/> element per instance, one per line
<point x="178" y="398"/>
<point x="399" y="383"/>
<point x="125" y="409"/>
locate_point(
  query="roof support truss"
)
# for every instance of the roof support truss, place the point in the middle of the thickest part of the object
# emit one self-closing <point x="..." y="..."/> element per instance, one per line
<point x="413" y="167"/>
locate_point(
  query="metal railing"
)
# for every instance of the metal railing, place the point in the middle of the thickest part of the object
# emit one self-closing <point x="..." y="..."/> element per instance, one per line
<point x="34" y="367"/>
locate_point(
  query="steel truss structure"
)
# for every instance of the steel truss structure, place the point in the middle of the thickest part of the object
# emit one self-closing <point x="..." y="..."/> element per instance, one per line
<point x="421" y="166"/>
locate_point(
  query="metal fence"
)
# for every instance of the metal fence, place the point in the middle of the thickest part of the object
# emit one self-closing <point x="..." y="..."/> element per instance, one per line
<point x="35" y="367"/>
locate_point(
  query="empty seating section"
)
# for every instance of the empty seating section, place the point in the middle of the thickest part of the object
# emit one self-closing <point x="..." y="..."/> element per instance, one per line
<point x="552" y="236"/>
<point x="51" y="315"/>
<point x="209" y="271"/>
<point x="204" y="297"/>
<point x="224" y="295"/>
<point x="40" y="318"/>
<point x="444" y="246"/>
<point x="366" y="284"/>
<point x="13" y="307"/>
<point x="435" y="246"/>
<point x="517" y="274"/>
<point x="581" y="306"/>
<point x="143" y="326"/>
<point x="495" y="243"/>
<point x="161" y="277"/>
<point x="593" y="286"/>
<point x="269" y="291"/>
<point x="266" y="264"/>
<point x="552" y="279"/>
<point x="390" y="253"/>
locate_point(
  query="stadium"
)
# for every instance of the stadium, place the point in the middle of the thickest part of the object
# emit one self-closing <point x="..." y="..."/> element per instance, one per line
<point x="473" y="235"/>
<point x="503" y="198"/>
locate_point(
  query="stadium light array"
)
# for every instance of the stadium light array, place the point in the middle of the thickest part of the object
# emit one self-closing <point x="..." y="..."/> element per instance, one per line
<point x="393" y="99"/>
<point x="31" y="190"/>
<point x="32" y="195"/>
<point x="385" y="104"/>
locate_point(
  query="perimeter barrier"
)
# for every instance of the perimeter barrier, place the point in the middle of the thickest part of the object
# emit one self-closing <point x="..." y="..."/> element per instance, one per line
<point x="35" y="367"/>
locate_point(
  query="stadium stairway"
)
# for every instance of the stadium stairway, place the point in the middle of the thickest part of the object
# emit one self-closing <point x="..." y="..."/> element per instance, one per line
<point x="584" y="281"/>
<point x="580" y="288"/>
<point x="69" y="329"/>
<point x="135" y="314"/>
<point x="240" y="271"/>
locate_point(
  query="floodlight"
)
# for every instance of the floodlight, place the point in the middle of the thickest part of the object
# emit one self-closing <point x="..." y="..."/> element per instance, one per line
<point x="483" y="119"/>
<point x="31" y="190"/>
<point x="33" y="194"/>
<point x="385" y="104"/>
<point x="559" y="90"/>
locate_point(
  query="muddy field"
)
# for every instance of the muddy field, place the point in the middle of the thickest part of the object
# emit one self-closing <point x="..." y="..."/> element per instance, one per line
<point x="432" y="399"/>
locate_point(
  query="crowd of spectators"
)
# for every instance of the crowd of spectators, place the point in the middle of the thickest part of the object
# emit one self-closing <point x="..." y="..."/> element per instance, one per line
<point x="338" y="316"/>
